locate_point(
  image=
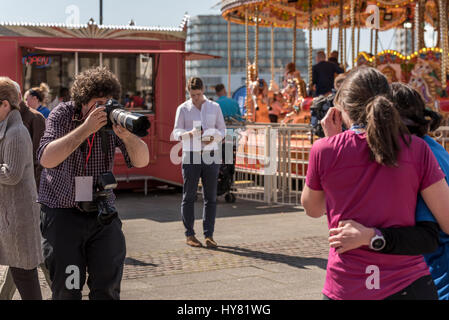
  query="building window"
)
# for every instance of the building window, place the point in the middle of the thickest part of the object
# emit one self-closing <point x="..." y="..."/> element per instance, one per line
<point x="56" y="70"/>
<point x="135" y="73"/>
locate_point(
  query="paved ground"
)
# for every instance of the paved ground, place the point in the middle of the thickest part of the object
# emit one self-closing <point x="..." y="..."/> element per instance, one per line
<point x="264" y="252"/>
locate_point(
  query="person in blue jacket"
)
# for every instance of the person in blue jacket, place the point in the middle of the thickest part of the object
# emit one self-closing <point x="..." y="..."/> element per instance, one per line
<point x="229" y="107"/>
<point x="420" y="121"/>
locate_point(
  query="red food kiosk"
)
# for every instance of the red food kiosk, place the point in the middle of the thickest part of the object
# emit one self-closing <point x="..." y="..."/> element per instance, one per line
<point x="149" y="62"/>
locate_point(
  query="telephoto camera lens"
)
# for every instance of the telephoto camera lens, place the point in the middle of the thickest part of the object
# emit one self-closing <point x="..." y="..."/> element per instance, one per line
<point x="135" y="123"/>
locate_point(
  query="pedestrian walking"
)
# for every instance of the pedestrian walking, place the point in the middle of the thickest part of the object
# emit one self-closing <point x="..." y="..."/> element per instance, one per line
<point x="200" y="125"/>
<point x="34" y="121"/>
<point x="20" y="241"/>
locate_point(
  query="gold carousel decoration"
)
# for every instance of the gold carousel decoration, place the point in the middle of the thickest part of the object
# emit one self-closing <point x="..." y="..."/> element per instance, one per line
<point x="425" y="69"/>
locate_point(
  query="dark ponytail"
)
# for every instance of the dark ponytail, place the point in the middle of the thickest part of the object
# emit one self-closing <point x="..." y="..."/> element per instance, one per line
<point x="383" y="129"/>
<point x="366" y="97"/>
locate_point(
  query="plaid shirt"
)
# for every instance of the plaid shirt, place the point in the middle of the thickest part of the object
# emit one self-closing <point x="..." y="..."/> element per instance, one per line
<point x="57" y="186"/>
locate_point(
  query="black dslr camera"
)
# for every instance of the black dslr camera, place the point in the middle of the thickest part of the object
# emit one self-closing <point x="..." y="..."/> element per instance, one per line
<point x="318" y="110"/>
<point x="135" y="123"/>
<point x="99" y="203"/>
<point x="106" y="212"/>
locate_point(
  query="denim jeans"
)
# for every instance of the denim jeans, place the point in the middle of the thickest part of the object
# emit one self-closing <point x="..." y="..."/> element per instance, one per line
<point x="191" y="173"/>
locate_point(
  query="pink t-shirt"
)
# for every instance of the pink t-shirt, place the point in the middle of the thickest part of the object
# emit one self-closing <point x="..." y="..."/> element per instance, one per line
<point x="376" y="196"/>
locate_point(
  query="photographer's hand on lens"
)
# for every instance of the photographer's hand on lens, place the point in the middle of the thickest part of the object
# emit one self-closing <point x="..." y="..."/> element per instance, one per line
<point x="96" y="120"/>
<point x="121" y="132"/>
<point x="332" y="122"/>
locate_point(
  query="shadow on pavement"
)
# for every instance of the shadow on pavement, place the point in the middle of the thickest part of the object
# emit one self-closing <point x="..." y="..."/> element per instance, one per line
<point x="166" y="207"/>
<point x="135" y="262"/>
<point x="294" y="261"/>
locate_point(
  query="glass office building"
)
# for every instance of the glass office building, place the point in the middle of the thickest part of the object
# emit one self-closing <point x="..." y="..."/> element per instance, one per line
<point x="208" y="34"/>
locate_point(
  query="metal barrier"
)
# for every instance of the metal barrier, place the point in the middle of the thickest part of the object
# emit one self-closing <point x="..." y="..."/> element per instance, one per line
<point x="293" y="155"/>
<point x="250" y="182"/>
<point x="271" y="162"/>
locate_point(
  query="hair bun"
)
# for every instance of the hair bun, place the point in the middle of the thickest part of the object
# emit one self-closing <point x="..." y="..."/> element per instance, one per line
<point x="44" y="88"/>
<point x="434" y="119"/>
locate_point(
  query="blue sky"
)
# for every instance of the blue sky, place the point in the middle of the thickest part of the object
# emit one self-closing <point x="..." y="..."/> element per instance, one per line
<point x="165" y="13"/>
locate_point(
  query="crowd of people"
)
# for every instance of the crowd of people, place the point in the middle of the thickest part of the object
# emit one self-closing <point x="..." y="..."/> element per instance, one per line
<point x="273" y="103"/>
<point x="382" y="184"/>
<point x="138" y="100"/>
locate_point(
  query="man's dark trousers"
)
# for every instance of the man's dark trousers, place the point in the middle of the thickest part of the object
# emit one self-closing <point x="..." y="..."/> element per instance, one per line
<point x="192" y="171"/>
<point x="72" y="238"/>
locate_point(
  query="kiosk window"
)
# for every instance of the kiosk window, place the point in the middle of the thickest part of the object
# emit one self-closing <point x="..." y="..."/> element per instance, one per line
<point x="134" y="71"/>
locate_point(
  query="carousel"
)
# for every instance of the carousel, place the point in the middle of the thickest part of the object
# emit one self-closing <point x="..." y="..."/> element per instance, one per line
<point x="425" y="69"/>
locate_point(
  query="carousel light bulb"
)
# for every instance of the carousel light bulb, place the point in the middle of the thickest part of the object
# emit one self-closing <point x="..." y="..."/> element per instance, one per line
<point x="408" y="25"/>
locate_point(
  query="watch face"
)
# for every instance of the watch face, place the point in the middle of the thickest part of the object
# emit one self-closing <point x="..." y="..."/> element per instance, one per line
<point x="378" y="243"/>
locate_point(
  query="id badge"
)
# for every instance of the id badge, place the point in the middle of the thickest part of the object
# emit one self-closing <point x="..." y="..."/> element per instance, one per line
<point x="83" y="188"/>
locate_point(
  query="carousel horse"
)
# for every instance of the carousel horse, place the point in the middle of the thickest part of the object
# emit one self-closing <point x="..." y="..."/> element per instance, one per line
<point x="261" y="93"/>
<point x="253" y="82"/>
<point x="294" y="93"/>
<point x="424" y="79"/>
<point x="257" y="104"/>
<point x="390" y="74"/>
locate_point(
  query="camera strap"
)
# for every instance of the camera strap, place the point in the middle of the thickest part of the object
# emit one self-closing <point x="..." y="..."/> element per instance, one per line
<point x="91" y="144"/>
<point x="104" y="142"/>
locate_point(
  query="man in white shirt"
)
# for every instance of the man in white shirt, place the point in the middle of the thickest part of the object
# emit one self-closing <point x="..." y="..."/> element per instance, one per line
<point x="200" y="125"/>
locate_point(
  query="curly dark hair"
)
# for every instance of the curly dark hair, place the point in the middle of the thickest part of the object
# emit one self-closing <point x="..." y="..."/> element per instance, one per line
<point x="97" y="82"/>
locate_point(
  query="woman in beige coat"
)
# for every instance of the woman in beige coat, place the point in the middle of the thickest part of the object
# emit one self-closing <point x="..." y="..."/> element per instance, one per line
<point x="20" y="239"/>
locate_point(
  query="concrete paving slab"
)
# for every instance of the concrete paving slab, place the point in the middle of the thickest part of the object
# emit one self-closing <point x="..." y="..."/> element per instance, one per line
<point x="265" y="252"/>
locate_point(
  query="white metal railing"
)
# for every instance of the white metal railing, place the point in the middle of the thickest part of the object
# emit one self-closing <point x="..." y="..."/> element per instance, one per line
<point x="271" y="162"/>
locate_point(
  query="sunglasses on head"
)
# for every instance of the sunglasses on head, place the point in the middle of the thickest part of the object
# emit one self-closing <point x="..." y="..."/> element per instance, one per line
<point x="34" y="93"/>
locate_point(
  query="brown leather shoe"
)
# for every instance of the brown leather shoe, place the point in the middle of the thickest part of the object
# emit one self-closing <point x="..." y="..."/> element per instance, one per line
<point x="193" y="242"/>
<point x="210" y="243"/>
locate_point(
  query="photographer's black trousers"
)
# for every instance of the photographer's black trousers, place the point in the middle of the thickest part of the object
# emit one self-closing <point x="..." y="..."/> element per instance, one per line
<point x="75" y="243"/>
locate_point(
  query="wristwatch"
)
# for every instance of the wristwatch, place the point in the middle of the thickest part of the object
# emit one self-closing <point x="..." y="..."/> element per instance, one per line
<point x="378" y="241"/>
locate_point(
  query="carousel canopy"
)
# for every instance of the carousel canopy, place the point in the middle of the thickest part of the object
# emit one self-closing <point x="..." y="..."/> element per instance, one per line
<point x="325" y="13"/>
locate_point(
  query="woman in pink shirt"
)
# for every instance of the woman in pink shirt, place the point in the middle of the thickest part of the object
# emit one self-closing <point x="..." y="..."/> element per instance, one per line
<point x="371" y="174"/>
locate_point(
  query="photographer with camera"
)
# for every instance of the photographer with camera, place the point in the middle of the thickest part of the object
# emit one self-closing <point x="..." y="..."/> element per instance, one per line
<point x="321" y="105"/>
<point x="80" y="227"/>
